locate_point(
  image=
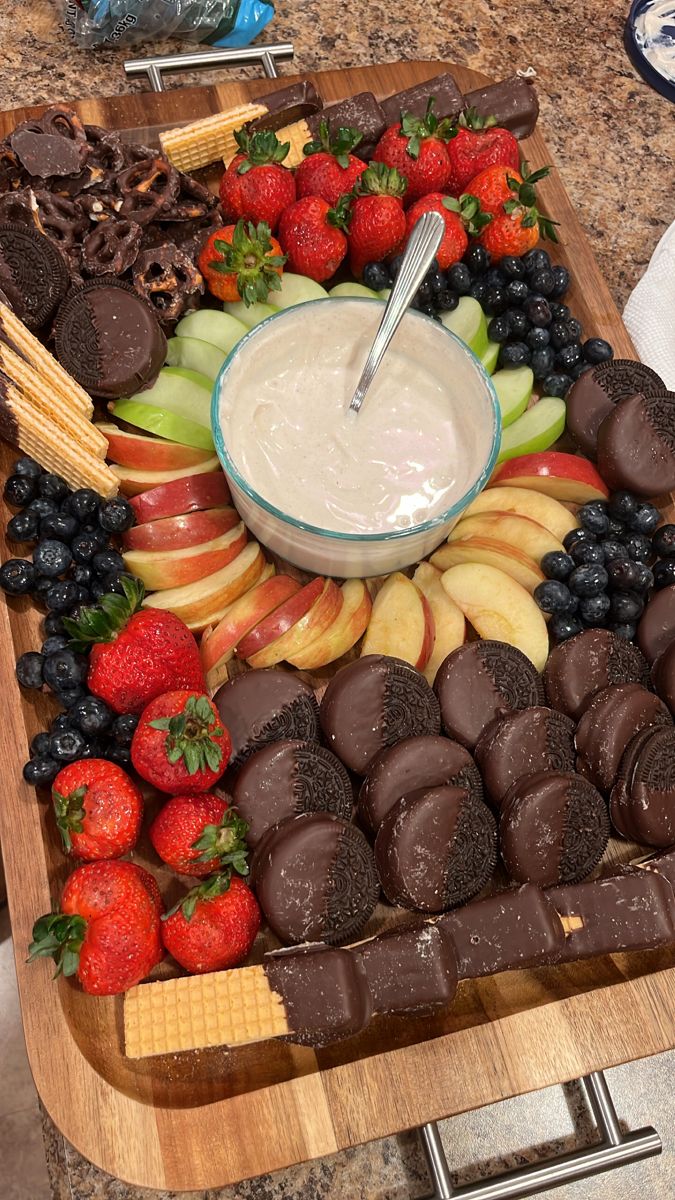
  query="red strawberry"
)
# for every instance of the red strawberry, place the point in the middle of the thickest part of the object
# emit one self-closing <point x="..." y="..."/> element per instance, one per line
<point x="214" y="926"/>
<point x="179" y="744"/>
<point x="417" y="149"/>
<point x="256" y="186"/>
<point x="479" y="143"/>
<point x="197" y="835"/>
<point x="98" y="809"/>
<point x="135" y="655"/>
<point x="329" y="170"/>
<point x="242" y="262"/>
<point x="107" y="931"/>
<point x="495" y="186"/>
<point x="311" y="234"/>
<point x="511" y="197"/>
<point x="459" y="216"/>
<point x="377" y="221"/>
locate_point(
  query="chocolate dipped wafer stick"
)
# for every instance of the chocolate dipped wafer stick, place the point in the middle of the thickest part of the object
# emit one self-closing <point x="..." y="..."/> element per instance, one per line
<point x="634" y="910"/>
<point x="448" y="100"/>
<point x="513" y="102"/>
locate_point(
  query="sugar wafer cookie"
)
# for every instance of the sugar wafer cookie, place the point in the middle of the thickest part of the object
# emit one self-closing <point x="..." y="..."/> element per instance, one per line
<point x="50" y="404"/>
<point x="15" y="334"/>
<point x="202" y="142"/>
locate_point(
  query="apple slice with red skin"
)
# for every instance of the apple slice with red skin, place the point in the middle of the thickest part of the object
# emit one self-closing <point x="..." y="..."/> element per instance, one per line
<point x="344" y="632"/>
<point x="177" y="533"/>
<point x="498" y="608"/>
<point x="567" y="477"/>
<point x="497" y="554"/>
<point x="147" y="453"/>
<point x="449" y="622"/>
<point x="160" y="569"/>
<point x="189" y="494"/>
<point x="132" y="481"/>
<point x="196" y="603"/>
<point x="525" y="503"/>
<point x="311" y="624"/>
<point x="401" y="623"/>
<point x="240" y="618"/>
<point x="281" y="619"/>
<point x="522" y="533"/>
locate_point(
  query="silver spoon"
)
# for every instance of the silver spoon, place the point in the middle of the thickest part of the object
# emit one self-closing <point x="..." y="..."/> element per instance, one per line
<point x="422" y="246"/>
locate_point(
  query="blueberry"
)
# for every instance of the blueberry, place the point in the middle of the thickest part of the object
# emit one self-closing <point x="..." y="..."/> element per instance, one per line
<point x="494" y="277"/>
<point x="91" y="715"/>
<point x="597" y="350"/>
<point x="83" y="597"/>
<point x="423" y="293"/>
<point x="561" y="282"/>
<point x="29" y="669"/>
<point x="560" y="335"/>
<point x="538" y="338"/>
<point x="119" y="754"/>
<point x="437" y="281"/>
<point x="616" y="528"/>
<point x="512" y="267"/>
<point x="557" y="384"/>
<point x="519" y="325"/>
<point x="23" y="527"/>
<point x="514" y="354"/>
<point x="517" y="291"/>
<point x="17" y="577"/>
<point x="664" y="573"/>
<point x="614" y="550"/>
<point x="593" y="516"/>
<point x="459" y="278"/>
<point x="446" y="301"/>
<point x="537" y="310"/>
<point x="41" y="587"/>
<point x="52" y="558"/>
<point x="563" y="626"/>
<point x="663" y="541"/>
<point x="624" y="630"/>
<point x="498" y="329"/>
<point x="42" y="506"/>
<point x="579" y="369"/>
<point x="639" y="547"/>
<point x="99" y="588"/>
<point x="84" y="546"/>
<point x="477" y="260"/>
<point x="622" y="573"/>
<point x="65" y="669"/>
<point x="495" y="301"/>
<point x="62" y="596"/>
<point x="622" y="505"/>
<point x="593" y="610"/>
<point x="56" y="641"/>
<point x="542" y="362"/>
<point x="27" y="466"/>
<point x="588" y="581"/>
<point x="114" y="582"/>
<point x="61" y="722"/>
<point x="578" y="535"/>
<point x="19" y="490"/>
<point x="645" y="578"/>
<point x="557" y="565"/>
<point x="574" y="328"/>
<point x="626" y="607"/>
<point x="560" y="311"/>
<point x="83" y="503"/>
<point x="40" y="772"/>
<point x="67" y="746"/>
<point x="553" y="596"/>
<point x="95" y="748"/>
<point x="59" y="525"/>
<point x="70" y="696"/>
<point x="53" y="487"/>
<point x="585" y="553"/>
<point x="124" y="727"/>
<point x="536" y="260"/>
<point x="569" y="357"/>
<point x="53" y="624"/>
<point x="375" y="275"/>
<point x="478" y="290"/>
<point x="39" y="745"/>
<point x="543" y="281"/>
<point x="645" y="519"/>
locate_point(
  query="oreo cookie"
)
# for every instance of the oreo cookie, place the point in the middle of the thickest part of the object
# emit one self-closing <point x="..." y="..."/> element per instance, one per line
<point x="595" y="393"/>
<point x="553" y="829"/>
<point x="436" y="848"/>
<point x="480" y="681"/>
<point x="108" y="339"/>
<point x="315" y="879"/>
<point x="612" y="718"/>
<point x="636" y="445"/>
<point x="620" y="794"/>
<point x="375" y="702"/>
<point x="656" y="628"/>
<point x="33" y="274"/>
<point x="287" y="778"/>
<point x="643" y="808"/>
<point x="523" y="742"/>
<point x="416" y="762"/>
<point x="585" y="664"/>
<point x="260" y="707"/>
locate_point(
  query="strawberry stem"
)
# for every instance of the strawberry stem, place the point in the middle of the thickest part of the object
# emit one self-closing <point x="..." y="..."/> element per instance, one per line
<point x="225" y="841"/>
<point x="191" y="736"/>
<point x="260" y="149"/>
<point x="416" y="129"/>
<point x="103" y="621"/>
<point x="58" y="936"/>
<point x="214" y="886"/>
<point x="249" y="256"/>
<point x="341" y="146"/>
<point x="69" y="812"/>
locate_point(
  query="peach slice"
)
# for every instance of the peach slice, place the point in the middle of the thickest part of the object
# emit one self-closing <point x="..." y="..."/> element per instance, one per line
<point x="507" y="558"/>
<point x="524" y="534"/>
<point x="525" y="503"/>
<point x="197" y="602"/>
<point x="149" y="453"/>
<point x="345" y="631"/>
<point x="401" y="623"/>
<point x="176" y="533"/>
<point x="449" y="623"/>
<point x="160" y="569"/>
<point x="218" y="644"/>
<point x="132" y="480"/>
<point x="566" y="477"/>
<point x="281" y="619"/>
<point x="188" y="494"/>
<point x="315" y="621"/>
<point x="498" y="608"/>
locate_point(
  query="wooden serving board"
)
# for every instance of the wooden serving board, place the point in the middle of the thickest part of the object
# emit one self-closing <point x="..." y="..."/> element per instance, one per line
<point x="206" y="1119"/>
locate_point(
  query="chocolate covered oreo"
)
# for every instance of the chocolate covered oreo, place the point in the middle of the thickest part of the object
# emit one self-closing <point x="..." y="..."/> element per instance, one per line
<point x="375" y="702"/>
<point x="663" y="675"/>
<point x="521" y="743"/>
<point x="260" y="707"/>
<point x="287" y="778"/>
<point x="656" y="628"/>
<point x="636" y="445"/>
<point x="585" y="664"/>
<point x="414" y="763"/>
<point x="33" y="274"/>
<point x="553" y="829"/>
<point x="643" y="803"/>
<point x="611" y="719"/>
<point x="480" y="681"/>
<point x="593" y="396"/>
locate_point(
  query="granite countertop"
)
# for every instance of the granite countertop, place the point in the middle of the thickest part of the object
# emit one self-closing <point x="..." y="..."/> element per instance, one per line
<point x="612" y="138"/>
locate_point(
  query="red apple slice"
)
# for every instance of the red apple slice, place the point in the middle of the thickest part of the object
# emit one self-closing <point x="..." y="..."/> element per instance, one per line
<point x="218" y="645"/>
<point x="132" y="481"/>
<point x="176" y="533"/>
<point x="312" y="624"/>
<point x="449" y="623"/>
<point x="401" y="623"/>
<point x="520" y="532"/>
<point x="160" y="569"/>
<point x="498" y="608"/>
<point x="182" y="496"/>
<point x="345" y="631"/>
<point x="566" y="477"/>
<point x="196" y="603"/>
<point x="149" y="453"/>
<point x="536" y="505"/>
<point x="498" y="554"/>
<point x="281" y="619"/>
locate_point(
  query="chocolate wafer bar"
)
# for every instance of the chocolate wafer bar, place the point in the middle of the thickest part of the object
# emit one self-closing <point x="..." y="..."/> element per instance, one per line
<point x="448" y="100"/>
<point x="15" y="335"/>
<point x="411" y="971"/>
<point x="631" y="911"/>
<point x="513" y="102"/>
<point x="513" y="929"/>
<point x="362" y="112"/>
<point x="286" y="106"/>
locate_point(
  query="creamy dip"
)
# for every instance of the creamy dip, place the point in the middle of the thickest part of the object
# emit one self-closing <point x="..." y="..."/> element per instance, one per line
<point x="421" y="440"/>
<point x="655" y="35"/>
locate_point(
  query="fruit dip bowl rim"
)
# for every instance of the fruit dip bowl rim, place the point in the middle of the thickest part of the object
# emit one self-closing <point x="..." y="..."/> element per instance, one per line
<point x="440" y="519"/>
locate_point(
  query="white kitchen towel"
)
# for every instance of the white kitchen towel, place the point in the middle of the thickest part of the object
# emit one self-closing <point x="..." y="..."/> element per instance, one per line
<point x="649" y="314"/>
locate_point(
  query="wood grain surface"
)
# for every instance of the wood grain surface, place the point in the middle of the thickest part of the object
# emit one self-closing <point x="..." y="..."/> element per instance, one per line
<point x="207" y="1119"/>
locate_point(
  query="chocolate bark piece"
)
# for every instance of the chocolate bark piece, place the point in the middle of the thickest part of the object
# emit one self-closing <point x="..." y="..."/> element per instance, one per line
<point x="520" y="743"/>
<point x="647" y="809"/>
<point x="663" y="675"/>
<point x="448" y="100"/>
<point x="631" y="911"/>
<point x="512" y="101"/>
<point x="315" y="879"/>
<point x="435" y="849"/>
<point x="287" y="778"/>
<point x="480" y="681"/>
<point x="32" y="272"/>
<point x="636" y="445"/>
<point x="656" y="628"/>
<point x="553" y="828"/>
<point x="324" y="991"/>
<point x="360" y="112"/>
<point x="413" y="763"/>
<point x="266" y="706"/>
<point x="619" y="800"/>
<point x="45" y="154"/>
<point x="372" y="703"/>
<point x="593" y="396"/>
<point x="108" y="339"/>
<point x="411" y="971"/>
<point x="584" y="665"/>
<point x="612" y="718"/>
<point x="513" y="929"/>
<point x="286" y="106"/>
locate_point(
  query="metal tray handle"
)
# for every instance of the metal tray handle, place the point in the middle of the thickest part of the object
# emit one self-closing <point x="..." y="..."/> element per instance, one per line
<point x="267" y="56"/>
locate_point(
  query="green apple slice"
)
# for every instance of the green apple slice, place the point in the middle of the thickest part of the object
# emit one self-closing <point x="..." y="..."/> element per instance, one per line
<point x="196" y="355"/>
<point x="209" y="325"/>
<point x="384" y="293"/>
<point x="251" y="314"/>
<point x="489" y="356"/>
<point x="468" y="321"/>
<point x="297" y="289"/>
<point x="352" y="289"/>
<point x="513" y="388"/>
<point x="162" y="423"/>
<point x="181" y="391"/>
<point x="536" y="430"/>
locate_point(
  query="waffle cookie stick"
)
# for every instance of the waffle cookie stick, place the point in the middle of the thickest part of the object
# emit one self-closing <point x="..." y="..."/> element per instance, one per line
<point x="15" y="335"/>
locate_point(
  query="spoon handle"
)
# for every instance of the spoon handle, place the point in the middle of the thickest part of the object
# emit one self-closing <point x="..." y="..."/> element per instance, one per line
<point x="422" y="246"/>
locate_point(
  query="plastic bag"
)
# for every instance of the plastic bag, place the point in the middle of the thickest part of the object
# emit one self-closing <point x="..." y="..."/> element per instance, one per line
<point x="129" y="22"/>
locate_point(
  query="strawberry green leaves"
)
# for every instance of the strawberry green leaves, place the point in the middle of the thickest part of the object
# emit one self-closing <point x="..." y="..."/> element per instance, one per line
<point x="250" y="256"/>
<point x="60" y="937"/>
<point x="101" y="622"/>
<point x="191" y="736"/>
<point x="468" y="209"/>
<point x="260" y="149"/>
<point x="341" y="146"/>
<point x="416" y="129"/>
<point x="214" y="886"/>
<point x="69" y="813"/>
<point x="225" y="842"/>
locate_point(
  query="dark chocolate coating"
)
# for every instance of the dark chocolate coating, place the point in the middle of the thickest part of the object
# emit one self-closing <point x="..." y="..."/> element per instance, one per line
<point x="584" y="665"/>
<point x="315" y="879"/>
<point x="663" y="675"/>
<point x="553" y="828"/>
<point x="32" y="272"/>
<point x="372" y="703"/>
<point x="593" y="396"/>
<point x="480" y="681"/>
<point x="290" y="777"/>
<point x="324" y="990"/>
<point x="409" y="970"/>
<point x="516" y="928"/>
<point x="47" y="154"/>
<point x="266" y="706"/>
<point x="286" y="106"/>
<point x="656" y="628"/>
<point x="436" y="848"/>
<point x="520" y="743"/>
<point x="636" y="445"/>
<point x="664" y="865"/>
<point x="631" y="911"/>
<point x="415" y="762"/>
<point x="619" y="800"/>
<point x="361" y="112"/>
<point x="647" y="809"/>
<point x="449" y="101"/>
<point x="612" y="718"/>
<point x="512" y="101"/>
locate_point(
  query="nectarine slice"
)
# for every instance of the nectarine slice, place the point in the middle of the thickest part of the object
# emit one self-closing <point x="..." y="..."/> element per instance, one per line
<point x="345" y="631"/>
<point x="498" y="608"/>
<point x="401" y="623"/>
<point x="526" y="503"/>
<point x="449" y="622"/>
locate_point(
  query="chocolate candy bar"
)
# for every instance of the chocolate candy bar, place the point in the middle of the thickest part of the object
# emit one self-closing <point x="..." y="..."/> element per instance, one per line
<point x="324" y="991"/>
<point x="513" y="102"/>
<point x="360" y="112"/>
<point x="449" y="101"/>
<point x="513" y="929"/>
<point x="631" y="911"/>
<point x="286" y="106"/>
<point x="409" y="970"/>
